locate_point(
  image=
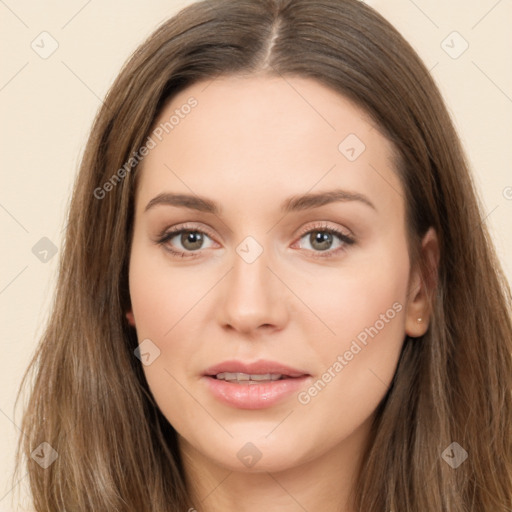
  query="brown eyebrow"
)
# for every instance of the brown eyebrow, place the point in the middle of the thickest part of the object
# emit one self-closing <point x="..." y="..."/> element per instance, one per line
<point x="294" y="203"/>
<point x="308" y="201"/>
<point x="187" y="201"/>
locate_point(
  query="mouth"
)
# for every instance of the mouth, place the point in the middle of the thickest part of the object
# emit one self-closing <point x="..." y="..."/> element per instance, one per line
<point x="258" y="371"/>
<point x="253" y="385"/>
<point x="246" y="378"/>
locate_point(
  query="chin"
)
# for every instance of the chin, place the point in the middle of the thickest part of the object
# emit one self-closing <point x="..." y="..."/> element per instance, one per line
<point x="257" y="454"/>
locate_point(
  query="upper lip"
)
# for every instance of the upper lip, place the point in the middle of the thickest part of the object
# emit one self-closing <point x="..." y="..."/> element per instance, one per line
<point x="261" y="367"/>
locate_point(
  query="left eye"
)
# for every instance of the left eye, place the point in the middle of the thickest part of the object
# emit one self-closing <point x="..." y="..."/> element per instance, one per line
<point x="321" y="240"/>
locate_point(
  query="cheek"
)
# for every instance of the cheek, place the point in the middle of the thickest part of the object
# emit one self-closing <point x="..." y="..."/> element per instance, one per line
<point x="161" y="295"/>
<point x="160" y="299"/>
<point x="363" y="293"/>
<point x="364" y="306"/>
<point x="168" y="304"/>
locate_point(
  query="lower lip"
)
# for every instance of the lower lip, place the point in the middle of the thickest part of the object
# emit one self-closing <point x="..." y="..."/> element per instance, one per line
<point x="254" y="396"/>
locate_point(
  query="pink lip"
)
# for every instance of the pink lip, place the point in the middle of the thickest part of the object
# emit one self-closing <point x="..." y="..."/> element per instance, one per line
<point x="254" y="396"/>
<point x="262" y="366"/>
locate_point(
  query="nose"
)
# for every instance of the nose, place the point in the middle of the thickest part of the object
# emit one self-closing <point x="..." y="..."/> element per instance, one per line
<point x="252" y="297"/>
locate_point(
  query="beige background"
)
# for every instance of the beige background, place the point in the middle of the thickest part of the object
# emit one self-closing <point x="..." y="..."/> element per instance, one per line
<point x="47" y="106"/>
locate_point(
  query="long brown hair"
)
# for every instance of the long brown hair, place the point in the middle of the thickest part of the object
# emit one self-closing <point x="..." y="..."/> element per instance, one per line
<point x="90" y="400"/>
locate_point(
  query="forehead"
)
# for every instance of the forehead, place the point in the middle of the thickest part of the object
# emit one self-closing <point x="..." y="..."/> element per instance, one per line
<point x="258" y="139"/>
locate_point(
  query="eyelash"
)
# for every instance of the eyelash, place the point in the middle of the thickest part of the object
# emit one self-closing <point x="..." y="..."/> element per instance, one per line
<point x="167" y="235"/>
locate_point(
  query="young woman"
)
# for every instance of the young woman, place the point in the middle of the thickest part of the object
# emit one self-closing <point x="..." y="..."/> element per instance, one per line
<point x="277" y="291"/>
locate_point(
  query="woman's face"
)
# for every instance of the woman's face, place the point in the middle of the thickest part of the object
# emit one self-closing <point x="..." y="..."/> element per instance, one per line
<point x="292" y="271"/>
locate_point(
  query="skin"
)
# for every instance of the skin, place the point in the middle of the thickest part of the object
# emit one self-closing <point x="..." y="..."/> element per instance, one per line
<point x="249" y="144"/>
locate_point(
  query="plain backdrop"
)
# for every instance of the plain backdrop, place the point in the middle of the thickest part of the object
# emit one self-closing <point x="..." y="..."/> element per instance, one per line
<point x="48" y="102"/>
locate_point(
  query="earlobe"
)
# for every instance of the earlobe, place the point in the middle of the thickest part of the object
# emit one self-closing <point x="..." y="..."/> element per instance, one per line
<point x="423" y="282"/>
<point x="130" y="318"/>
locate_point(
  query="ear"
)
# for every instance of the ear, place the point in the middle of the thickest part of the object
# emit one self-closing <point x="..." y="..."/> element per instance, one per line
<point x="130" y="318"/>
<point x="422" y="284"/>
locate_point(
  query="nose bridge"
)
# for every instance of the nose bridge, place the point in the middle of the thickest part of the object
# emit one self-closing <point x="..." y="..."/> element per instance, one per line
<point x="252" y="295"/>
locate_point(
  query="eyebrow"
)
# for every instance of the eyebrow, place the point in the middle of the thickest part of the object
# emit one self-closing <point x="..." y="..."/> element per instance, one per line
<point x="294" y="203"/>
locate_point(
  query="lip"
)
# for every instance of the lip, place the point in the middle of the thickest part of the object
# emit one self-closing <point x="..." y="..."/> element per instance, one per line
<point x="258" y="395"/>
<point x="262" y="366"/>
